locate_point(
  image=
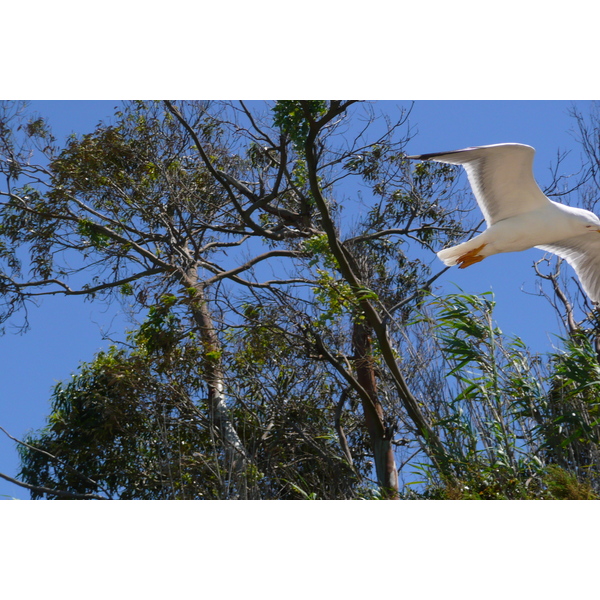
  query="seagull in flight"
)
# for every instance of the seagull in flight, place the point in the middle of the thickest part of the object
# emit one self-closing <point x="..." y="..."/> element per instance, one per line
<point x="518" y="214"/>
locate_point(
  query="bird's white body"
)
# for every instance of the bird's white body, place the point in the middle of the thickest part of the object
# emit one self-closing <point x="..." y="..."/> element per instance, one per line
<point x="518" y="214"/>
<point x="535" y="228"/>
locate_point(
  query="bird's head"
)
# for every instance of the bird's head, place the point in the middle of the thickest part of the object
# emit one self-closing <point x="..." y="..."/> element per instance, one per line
<point x="590" y="221"/>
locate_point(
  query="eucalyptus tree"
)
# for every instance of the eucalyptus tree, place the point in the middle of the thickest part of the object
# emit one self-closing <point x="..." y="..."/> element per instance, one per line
<point x="135" y="423"/>
<point x="305" y="209"/>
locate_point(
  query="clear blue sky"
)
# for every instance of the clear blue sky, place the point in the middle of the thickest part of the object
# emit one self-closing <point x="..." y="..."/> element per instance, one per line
<point x="66" y="331"/>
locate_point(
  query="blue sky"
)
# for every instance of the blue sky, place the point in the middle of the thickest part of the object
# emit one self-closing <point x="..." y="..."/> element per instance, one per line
<point x="66" y="331"/>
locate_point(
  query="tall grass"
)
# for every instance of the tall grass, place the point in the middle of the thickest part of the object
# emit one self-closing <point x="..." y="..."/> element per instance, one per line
<point x="515" y="425"/>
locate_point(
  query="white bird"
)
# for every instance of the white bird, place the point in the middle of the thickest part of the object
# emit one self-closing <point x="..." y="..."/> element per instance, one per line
<point x="518" y="214"/>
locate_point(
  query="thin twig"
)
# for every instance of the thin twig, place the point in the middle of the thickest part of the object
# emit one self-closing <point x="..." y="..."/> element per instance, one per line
<point x="58" y="460"/>
<point x="44" y="490"/>
<point x="340" y="430"/>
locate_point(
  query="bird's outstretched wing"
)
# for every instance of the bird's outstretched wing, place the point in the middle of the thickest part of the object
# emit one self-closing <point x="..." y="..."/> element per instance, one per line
<point x="583" y="254"/>
<point x="501" y="176"/>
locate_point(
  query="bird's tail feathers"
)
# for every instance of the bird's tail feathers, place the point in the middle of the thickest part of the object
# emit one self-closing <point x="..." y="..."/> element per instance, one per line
<point x="450" y="256"/>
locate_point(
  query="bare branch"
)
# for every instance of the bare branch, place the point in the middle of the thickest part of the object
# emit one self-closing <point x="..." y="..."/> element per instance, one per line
<point x="67" y="291"/>
<point x="570" y="322"/>
<point x="58" y="460"/>
<point x="53" y="492"/>
<point x="222" y="178"/>
<point x="257" y="259"/>
<point x="338" y="427"/>
<point x="419" y="292"/>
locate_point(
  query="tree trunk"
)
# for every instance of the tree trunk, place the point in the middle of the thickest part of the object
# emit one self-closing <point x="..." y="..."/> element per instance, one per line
<point x="432" y="443"/>
<point x="381" y="436"/>
<point x="236" y="458"/>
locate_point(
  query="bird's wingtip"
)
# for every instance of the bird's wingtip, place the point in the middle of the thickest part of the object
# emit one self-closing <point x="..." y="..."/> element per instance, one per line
<point x="437" y="155"/>
<point x="434" y="155"/>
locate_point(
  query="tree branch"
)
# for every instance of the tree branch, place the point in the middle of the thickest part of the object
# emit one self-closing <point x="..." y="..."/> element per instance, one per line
<point x="338" y="427"/>
<point x="262" y="257"/>
<point x="342" y="255"/>
<point x="67" y="291"/>
<point x="224" y="179"/>
<point x="50" y="491"/>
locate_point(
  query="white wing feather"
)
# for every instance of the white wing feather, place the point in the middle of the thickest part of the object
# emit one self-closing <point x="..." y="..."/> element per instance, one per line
<point x="583" y="254"/>
<point x="501" y="176"/>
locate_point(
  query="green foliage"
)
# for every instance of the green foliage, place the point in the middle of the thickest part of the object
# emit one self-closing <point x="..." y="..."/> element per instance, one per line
<point x="93" y="233"/>
<point x="569" y="416"/>
<point x="294" y="118"/>
<point x="132" y="421"/>
<point x="511" y="430"/>
<point x="483" y="424"/>
<point x="126" y="289"/>
<point x="129" y="428"/>
<point x="286" y="405"/>
<point x="334" y="296"/>
<point x="136" y="422"/>
<point x="550" y="483"/>
<point x="38" y="128"/>
<point x="562" y="485"/>
<point x="317" y="247"/>
<point x="161" y="330"/>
